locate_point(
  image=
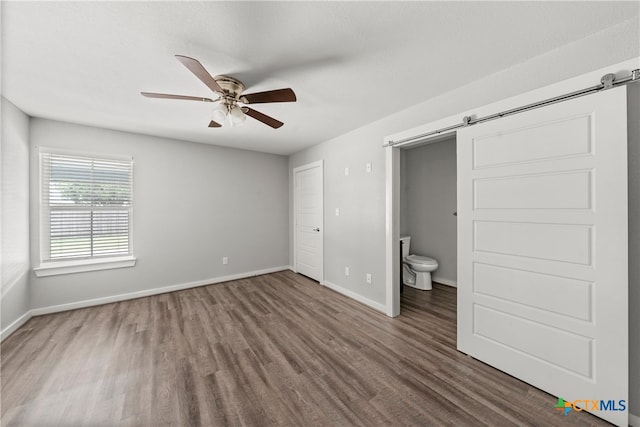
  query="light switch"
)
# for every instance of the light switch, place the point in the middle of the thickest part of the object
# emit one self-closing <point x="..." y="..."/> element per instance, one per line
<point x="346" y="171"/>
<point x="337" y="211"/>
<point x="368" y="167"/>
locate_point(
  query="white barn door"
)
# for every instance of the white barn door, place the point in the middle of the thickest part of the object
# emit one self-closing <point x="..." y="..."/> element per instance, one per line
<point x="542" y="248"/>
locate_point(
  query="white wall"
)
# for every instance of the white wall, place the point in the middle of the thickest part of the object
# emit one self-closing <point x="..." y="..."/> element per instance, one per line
<point x="428" y="195"/>
<point x="193" y="204"/>
<point x="15" y="214"/>
<point x="356" y="238"/>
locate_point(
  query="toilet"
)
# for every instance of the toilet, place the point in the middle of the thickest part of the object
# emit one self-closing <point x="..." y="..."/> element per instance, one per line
<point x="416" y="269"/>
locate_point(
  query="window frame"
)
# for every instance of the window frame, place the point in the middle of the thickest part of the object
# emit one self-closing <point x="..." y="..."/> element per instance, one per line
<point x="49" y="267"/>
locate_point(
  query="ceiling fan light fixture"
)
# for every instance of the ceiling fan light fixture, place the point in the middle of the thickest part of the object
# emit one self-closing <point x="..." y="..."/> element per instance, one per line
<point x="220" y="113"/>
<point x="236" y="116"/>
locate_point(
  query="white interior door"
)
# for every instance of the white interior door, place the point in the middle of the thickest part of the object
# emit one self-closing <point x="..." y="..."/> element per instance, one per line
<point x="542" y="248"/>
<point x="309" y="229"/>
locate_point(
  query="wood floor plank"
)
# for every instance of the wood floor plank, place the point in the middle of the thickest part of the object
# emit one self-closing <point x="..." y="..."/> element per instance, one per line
<point x="272" y="350"/>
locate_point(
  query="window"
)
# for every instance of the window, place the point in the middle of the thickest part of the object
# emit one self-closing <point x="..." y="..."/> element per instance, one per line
<point x="85" y="212"/>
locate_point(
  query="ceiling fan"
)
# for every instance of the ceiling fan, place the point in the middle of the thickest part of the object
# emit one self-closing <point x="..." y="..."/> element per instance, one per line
<point x="230" y="94"/>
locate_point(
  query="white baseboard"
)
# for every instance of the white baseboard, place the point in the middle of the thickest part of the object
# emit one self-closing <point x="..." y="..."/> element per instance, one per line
<point x="149" y="292"/>
<point x="15" y="325"/>
<point x="132" y="295"/>
<point x="366" y="301"/>
<point x="634" y="420"/>
<point x="443" y="281"/>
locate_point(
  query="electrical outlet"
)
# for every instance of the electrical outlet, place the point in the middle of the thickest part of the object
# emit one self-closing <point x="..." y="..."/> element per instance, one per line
<point x="337" y="211"/>
<point x="368" y="167"/>
<point x="346" y="171"/>
<point x="346" y="271"/>
<point x="369" y="278"/>
<point x="225" y="260"/>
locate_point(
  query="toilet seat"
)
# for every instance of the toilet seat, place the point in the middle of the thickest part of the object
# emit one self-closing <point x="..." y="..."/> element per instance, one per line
<point x="422" y="260"/>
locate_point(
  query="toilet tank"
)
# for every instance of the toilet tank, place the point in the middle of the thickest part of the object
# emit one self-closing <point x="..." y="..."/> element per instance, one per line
<point x="406" y="244"/>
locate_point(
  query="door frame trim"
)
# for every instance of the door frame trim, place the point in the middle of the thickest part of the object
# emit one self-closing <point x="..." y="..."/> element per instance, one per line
<point x="392" y="214"/>
<point x="320" y="164"/>
<point x="392" y="182"/>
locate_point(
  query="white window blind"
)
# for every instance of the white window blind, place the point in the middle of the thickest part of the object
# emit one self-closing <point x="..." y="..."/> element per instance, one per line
<point x="86" y="207"/>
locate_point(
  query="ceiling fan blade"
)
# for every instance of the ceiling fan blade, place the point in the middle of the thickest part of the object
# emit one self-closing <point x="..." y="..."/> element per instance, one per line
<point x="168" y="96"/>
<point x="269" y="121"/>
<point x="196" y="68"/>
<point x="278" y="95"/>
<point x="213" y="124"/>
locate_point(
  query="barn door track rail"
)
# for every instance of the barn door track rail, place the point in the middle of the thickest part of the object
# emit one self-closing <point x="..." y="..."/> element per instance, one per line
<point x="607" y="81"/>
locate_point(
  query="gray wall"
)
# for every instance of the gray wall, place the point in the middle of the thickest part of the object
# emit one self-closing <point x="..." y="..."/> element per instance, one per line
<point x="357" y="237"/>
<point x="358" y="233"/>
<point x="14" y="167"/>
<point x="428" y="194"/>
<point x="193" y="204"/>
<point x="404" y="188"/>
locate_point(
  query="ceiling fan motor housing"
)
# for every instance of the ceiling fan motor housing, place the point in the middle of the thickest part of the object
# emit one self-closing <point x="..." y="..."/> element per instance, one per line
<point x="232" y="87"/>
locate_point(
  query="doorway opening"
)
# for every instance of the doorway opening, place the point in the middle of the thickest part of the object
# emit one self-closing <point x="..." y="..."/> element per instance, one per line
<point x="428" y="209"/>
<point x="421" y="203"/>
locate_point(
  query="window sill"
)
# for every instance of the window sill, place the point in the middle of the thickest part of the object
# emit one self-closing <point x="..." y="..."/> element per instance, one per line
<point x="69" y="267"/>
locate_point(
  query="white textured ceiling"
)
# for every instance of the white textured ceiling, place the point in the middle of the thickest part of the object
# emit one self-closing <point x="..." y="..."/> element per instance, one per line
<point x="349" y="63"/>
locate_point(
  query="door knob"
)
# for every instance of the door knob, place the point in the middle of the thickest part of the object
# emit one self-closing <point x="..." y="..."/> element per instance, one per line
<point x="316" y="229"/>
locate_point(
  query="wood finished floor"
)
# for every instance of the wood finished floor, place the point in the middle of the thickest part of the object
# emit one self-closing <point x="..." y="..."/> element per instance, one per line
<point x="277" y="349"/>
